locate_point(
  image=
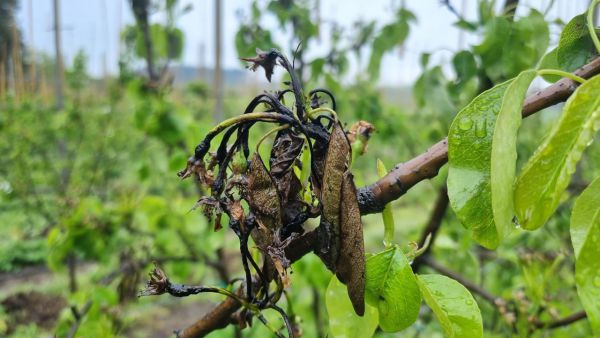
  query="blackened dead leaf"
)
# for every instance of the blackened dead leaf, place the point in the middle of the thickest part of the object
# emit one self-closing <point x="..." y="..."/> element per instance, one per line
<point x="350" y="266"/>
<point x="267" y="60"/>
<point x="319" y="154"/>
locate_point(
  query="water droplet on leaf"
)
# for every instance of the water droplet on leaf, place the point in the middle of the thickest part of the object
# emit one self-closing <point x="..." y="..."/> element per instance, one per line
<point x="465" y="123"/>
<point x="480" y="129"/>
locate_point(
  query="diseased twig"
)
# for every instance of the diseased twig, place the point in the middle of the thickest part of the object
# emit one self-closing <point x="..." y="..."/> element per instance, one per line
<point x="220" y="316"/>
<point x="396" y="183"/>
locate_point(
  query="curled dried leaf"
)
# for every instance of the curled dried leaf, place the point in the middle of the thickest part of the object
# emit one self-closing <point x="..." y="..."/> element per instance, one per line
<point x="157" y="285"/>
<point x="350" y="266"/>
<point x="266" y="60"/>
<point x="236" y="212"/>
<point x="210" y="207"/>
<point x="286" y="149"/>
<point x="360" y="131"/>
<point x="336" y="163"/>
<point x="264" y="202"/>
<point x="276" y="251"/>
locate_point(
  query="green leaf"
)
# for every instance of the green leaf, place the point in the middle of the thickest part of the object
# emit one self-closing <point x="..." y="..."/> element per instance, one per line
<point x="386" y="214"/>
<point x="546" y="175"/>
<point x="528" y="43"/>
<point x="464" y="65"/>
<point x="549" y="61"/>
<point x="585" y="229"/>
<point x="391" y="35"/>
<point x="526" y="38"/>
<point x="453" y="306"/>
<point x="504" y="151"/>
<point x="575" y="47"/>
<point x="586" y="212"/>
<point x="482" y="156"/>
<point x="431" y="95"/>
<point x="343" y="322"/>
<point x="392" y="288"/>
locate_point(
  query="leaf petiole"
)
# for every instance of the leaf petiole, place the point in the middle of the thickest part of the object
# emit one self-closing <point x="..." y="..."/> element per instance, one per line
<point x="562" y="73"/>
<point x="590" y="24"/>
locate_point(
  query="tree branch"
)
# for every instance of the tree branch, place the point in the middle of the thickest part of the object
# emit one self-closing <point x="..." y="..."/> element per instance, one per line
<point x="465" y="282"/>
<point x="404" y="176"/>
<point x="433" y="226"/>
<point x="561" y="322"/>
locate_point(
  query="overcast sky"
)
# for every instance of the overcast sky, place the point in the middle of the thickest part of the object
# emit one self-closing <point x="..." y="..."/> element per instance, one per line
<point x="94" y="25"/>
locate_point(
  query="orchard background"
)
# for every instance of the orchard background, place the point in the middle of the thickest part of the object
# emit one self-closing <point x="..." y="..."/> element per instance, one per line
<point x="475" y="222"/>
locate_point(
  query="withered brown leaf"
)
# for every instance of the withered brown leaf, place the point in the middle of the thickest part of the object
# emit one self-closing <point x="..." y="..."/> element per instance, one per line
<point x="286" y="149"/>
<point x="263" y="200"/>
<point x="350" y="266"/>
<point x="267" y="60"/>
<point x="336" y="162"/>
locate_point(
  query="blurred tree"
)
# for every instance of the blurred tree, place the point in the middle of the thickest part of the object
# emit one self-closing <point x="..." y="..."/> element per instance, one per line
<point x="11" y="46"/>
<point x="156" y="43"/>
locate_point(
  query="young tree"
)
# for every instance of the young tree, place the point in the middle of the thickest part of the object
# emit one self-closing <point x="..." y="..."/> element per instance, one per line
<point x="309" y="177"/>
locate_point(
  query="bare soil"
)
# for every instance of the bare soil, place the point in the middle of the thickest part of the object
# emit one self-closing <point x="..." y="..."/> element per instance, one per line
<point x="33" y="307"/>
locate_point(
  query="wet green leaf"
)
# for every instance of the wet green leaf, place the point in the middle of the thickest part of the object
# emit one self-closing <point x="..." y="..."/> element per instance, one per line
<point x="546" y="175"/>
<point x="453" y="306"/>
<point x="482" y="156"/>
<point x="343" y="322"/>
<point x="575" y="47"/>
<point x="469" y="153"/>
<point x="504" y="151"/>
<point x="586" y="212"/>
<point x="585" y="229"/>
<point x="392" y="288"/>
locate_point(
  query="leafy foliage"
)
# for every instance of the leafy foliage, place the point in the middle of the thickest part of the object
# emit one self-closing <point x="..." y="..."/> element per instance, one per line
<point x="585" y="227"/>
<point x="392" y="288"/>
<point x="453" y="306"/>
<point x="89" y="184"/>
<point x="527" y="38"/>
<point x="482" y="154"/>
<point x="575" y="47"/>
<point x="545" y="177"/>
<point x="390" y="36"/>
<point x="343" y="322"/>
